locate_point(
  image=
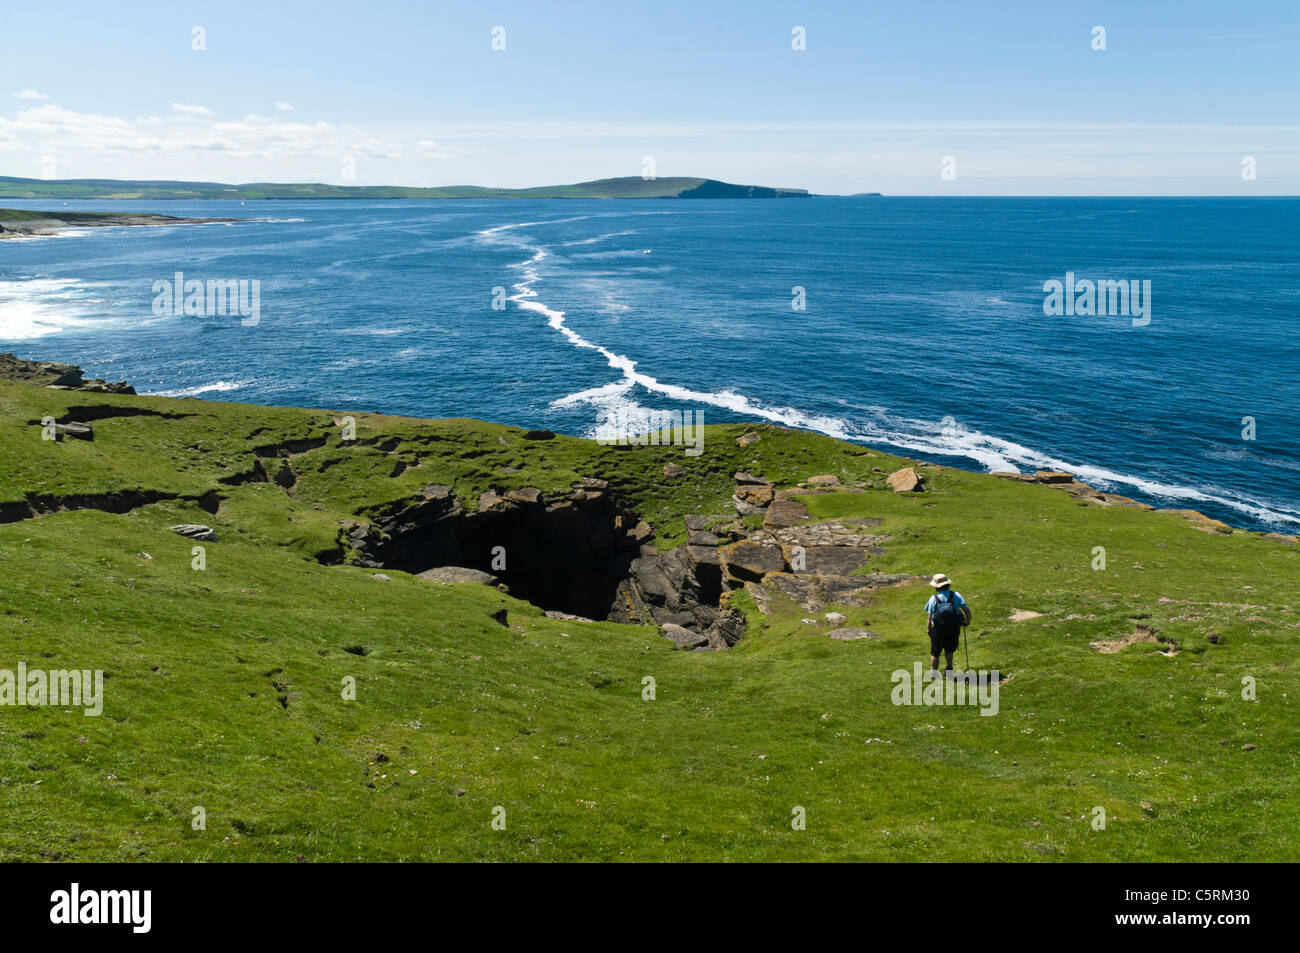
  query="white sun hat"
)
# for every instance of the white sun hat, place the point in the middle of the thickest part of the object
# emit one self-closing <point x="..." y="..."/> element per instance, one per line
<point x="940" y="580"/>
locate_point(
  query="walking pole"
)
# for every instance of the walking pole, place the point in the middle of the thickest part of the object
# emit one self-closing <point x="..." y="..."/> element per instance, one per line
<point x="966" y="646"/>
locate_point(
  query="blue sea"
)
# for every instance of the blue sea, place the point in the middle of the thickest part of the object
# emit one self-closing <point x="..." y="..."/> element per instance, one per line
<point x="922" y="330"/>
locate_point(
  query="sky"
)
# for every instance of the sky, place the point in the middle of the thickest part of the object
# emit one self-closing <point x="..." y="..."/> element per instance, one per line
<point x="1196" y="97"/>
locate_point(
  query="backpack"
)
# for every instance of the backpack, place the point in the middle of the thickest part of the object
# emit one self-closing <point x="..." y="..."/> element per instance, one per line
<point x="947" y="616"/>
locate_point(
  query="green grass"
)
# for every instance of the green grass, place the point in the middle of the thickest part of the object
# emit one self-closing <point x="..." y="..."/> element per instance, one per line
<point x="223" y="686"/>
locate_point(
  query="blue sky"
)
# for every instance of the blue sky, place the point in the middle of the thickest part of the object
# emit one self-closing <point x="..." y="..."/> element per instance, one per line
<point x="413" y="93"/>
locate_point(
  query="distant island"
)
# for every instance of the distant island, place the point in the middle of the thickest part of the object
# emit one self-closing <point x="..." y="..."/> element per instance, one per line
<point x="16" y="222"/>
<point x="627" y="187"/>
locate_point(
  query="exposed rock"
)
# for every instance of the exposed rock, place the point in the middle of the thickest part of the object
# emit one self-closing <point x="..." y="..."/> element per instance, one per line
<point x="824" y="479"/>
<point x="457" y="574"/>
<point x="726" y="630"/>
<point x="827" y="560"/>
<point x="528" y="496"/>
<point x="1281" y="538"/>
<point x="1082" y="490"/>
<point x="744" y="440"/>
<point x="703" y="554"/>
<point x="849" y="635"/>
<point x="566" y="552"/>
<point x="488" y="500"/>
<point x="785" y="512"/>
<point x="1201" y="521"/>
<point x="835" y="618"/>
<point x="673" y="472"/>
<point x="812" y="592"/>
<point x="566" y="616"/>
<point x="749" y="561"/>
<point x="744" y="507"/>
<point x="745" y="477"/>
<point x="382" y="577"/>
<point x="74" y="430"/>
<point x="906" y="480"/>
<point x="703" y="538"/>
<point x="1141" y="633"/>
<point x="57" y="375"/>
<point x="756" y="494"/>
<point x="203" y="534"/>
<point x="682" y="637"/>
<point x="1114" y="499"/>
<point x="835" y="533"/>
<point x="1024" y="615"/>
<point x="1054" y="476"/>
<point x="681" y="586"/>
<point x="1015" y="475"/>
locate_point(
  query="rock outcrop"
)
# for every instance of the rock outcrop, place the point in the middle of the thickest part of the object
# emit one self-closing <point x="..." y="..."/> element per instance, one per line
<point x="457" y="574"/>
<point x="567" y="551"/>
<point x="906" y="480"/>
<point x="579" y="555"/>
<point x="58" y="376"/>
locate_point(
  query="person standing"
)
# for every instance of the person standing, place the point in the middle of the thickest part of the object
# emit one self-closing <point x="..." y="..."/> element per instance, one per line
<point x="947" y="612"/>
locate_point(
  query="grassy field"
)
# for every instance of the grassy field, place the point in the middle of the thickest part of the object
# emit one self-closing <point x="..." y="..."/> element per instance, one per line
<point x="224" y="687"/>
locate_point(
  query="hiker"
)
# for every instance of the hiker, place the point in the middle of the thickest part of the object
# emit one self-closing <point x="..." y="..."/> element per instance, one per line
<point x="948" y="612"/>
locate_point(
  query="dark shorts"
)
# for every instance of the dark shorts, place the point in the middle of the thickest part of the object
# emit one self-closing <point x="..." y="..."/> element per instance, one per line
<point x="944" y="641"/>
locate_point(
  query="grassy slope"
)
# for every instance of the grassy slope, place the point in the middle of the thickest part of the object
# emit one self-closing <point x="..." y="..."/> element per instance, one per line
<point x="625" y="187"/>
<point x="224" y="685"/>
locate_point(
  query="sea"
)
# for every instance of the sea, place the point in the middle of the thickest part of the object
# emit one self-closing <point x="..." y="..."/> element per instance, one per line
<point x="923" y="326"/>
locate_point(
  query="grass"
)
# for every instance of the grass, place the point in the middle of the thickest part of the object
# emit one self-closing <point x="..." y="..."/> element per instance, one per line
<point x="223" y="686"/>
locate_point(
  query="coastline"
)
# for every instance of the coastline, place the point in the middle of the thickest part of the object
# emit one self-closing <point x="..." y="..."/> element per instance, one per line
<point x="235" y="567"/>
<point x="24" y="223"/>
<point x="64" y="376"/>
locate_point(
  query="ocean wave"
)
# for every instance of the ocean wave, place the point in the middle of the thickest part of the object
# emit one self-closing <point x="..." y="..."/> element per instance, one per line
<point x="34" y="307"/>
<point x="216" y="387"/>
<point x="941" y="438"/>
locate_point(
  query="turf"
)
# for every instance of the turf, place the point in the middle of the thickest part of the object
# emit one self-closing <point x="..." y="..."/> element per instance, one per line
<point x="224" y="687"/>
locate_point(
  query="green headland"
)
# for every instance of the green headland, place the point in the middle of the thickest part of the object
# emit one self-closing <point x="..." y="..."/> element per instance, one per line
<point x="1161" y="689"/>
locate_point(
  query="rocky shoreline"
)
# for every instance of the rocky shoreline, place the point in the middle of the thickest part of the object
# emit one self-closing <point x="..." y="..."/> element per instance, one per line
<point x="22" y="223"/>
<point x="584" y="553"/>
<point x="57" y="376"/>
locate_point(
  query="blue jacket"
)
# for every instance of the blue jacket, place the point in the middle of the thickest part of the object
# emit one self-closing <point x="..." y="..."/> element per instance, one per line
<point x="934" y="601"/>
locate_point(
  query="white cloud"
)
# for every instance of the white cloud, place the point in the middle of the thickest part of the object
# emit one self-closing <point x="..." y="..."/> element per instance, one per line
<point x="428" y="149"/>
<point x="190" y="138"/>
<point x="994" y="157"/>
<point x="283" y="107"/>
<point x="30" y="93"/>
